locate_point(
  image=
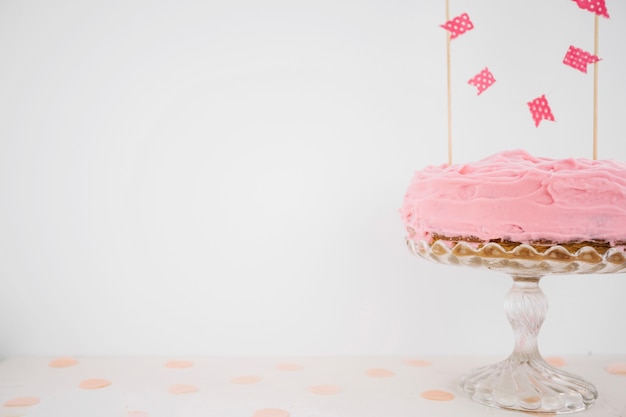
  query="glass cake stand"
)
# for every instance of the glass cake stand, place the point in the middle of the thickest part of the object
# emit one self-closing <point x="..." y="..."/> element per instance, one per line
<point x="525" y="381"/>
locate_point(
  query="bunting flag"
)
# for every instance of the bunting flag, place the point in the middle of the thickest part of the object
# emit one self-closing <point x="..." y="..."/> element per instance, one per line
<point x="483" y="80"/>
<point x="540" y="110"/>
<point x="596" y="6"/>
<point x="458" y="25"/>
<point x="578" y="59"/>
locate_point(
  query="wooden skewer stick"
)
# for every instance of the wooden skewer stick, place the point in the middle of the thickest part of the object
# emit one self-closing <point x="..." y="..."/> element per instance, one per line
<point x="595" y="88"/>
<point x="449" y="86"/>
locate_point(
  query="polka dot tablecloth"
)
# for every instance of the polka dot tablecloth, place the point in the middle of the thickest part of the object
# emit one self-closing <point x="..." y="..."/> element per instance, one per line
<point x="269" y="387"/>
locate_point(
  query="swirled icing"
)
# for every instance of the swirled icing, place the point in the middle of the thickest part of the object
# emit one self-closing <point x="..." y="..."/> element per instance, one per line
<point x="515" y="196"/>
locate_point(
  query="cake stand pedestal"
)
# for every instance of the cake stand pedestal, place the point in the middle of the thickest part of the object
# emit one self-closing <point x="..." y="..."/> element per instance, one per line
<point x="525" y="381"/>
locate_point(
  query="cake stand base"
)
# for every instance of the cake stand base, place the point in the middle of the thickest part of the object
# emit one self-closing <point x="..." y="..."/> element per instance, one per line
<point x="529" y="386"/>
<point x="525" y="381"/>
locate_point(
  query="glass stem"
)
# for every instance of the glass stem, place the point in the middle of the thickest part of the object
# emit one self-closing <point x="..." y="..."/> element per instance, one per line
<point x="526" y="307"/>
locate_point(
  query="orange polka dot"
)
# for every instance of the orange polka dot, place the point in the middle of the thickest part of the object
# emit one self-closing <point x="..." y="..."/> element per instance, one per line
<point x="271" y="412"/>
<point x="532" y="400"/>
<point x="555" y="361"/>
<point x="380" y="373"/>
<point x="437" y="395"/>
<point x="94" y="383"/>
<point x="325" y="389"/>
<point x="22" y="402"/>
<point x="64" y="362"/>
<point x="246" y="379"/>
<point x="617" y="368"/>
<point x="178" y="389"/>
<point x="176" y="364"/>
<point x="137" y="414"/>
<point x="290" y="367"/>
<point x="418" y="362"/>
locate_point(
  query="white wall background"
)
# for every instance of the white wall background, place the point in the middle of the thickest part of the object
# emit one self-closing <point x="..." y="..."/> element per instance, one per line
<point x="212" y="177"/>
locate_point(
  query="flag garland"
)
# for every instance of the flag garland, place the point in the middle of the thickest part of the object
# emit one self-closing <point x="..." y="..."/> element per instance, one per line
<point x="576" y="58"/>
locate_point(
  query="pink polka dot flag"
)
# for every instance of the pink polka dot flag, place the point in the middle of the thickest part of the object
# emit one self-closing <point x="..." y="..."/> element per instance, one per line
<point x="540" y="110"/>
<point x="578" y="59"/>
<point x="483" y="80"/>
<point x="458" y="25"/>
<point x="596" y="6"/>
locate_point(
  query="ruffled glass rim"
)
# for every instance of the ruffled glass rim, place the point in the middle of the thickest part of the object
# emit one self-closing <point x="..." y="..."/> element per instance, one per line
<point x="523" y="258"/>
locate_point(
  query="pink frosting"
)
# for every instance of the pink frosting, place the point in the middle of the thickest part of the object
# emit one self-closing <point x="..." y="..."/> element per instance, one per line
<point x="515" y="196"/>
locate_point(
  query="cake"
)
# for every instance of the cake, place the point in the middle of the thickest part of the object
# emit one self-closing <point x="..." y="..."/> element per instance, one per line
<point x="514" y="198"/>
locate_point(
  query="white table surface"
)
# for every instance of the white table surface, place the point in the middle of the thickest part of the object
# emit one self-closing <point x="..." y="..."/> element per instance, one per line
<point x="384" y="386"/>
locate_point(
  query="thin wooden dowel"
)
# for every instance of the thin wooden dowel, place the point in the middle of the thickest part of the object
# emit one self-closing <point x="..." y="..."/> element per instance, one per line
<point x="595" y="87"/>
<point x="449" y="86"/>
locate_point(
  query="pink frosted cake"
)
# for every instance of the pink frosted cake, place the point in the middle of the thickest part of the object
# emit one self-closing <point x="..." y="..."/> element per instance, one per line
<point x="514" y="198"/>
